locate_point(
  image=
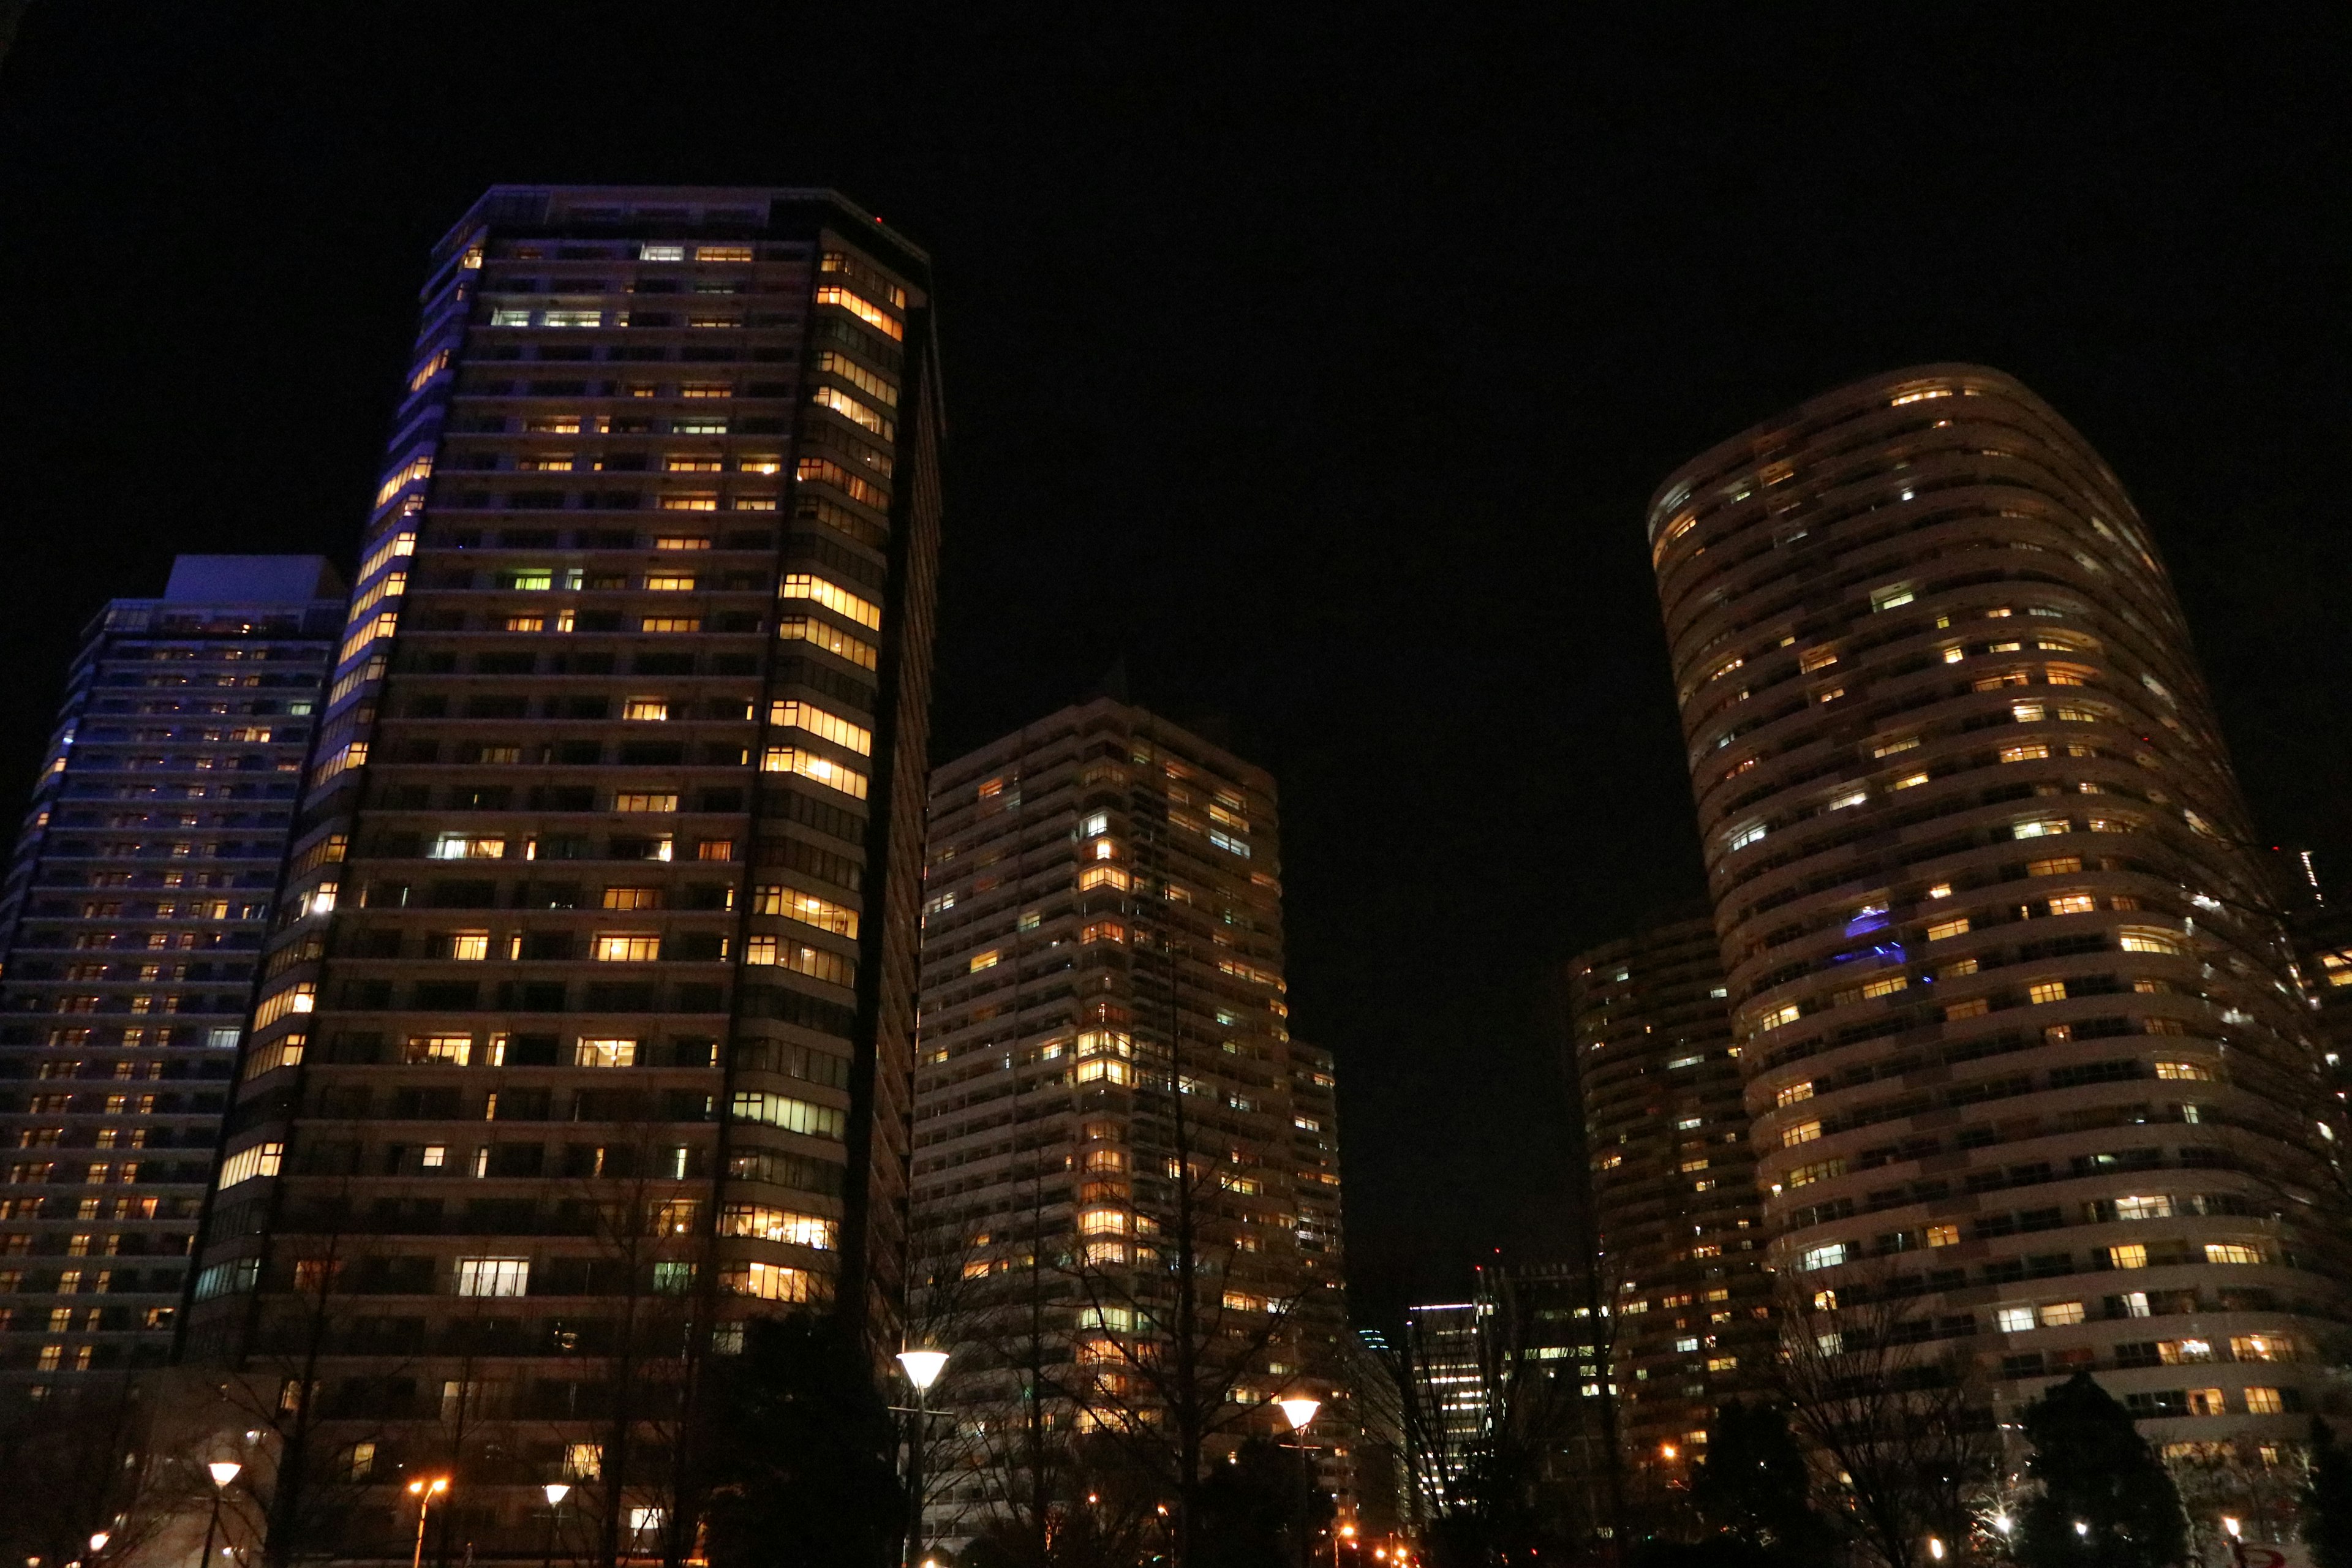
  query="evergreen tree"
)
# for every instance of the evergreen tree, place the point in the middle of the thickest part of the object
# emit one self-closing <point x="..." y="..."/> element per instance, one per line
<point x="2327" y="1500"/>
<point x="1753" y="1491"/>
<point x="2094" y="1467"/>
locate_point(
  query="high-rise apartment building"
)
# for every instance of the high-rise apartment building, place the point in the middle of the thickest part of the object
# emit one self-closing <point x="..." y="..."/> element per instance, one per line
<point x="1108" y="1098"/>
<point x="132" y="921"/>
<point x="1678" y="1219"/>
<point x="586" y="1026"/>
<point x="2023" y="1044"/>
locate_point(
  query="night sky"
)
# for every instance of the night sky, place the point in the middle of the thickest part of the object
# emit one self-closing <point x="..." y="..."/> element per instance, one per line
<point x="1314" y="361"/>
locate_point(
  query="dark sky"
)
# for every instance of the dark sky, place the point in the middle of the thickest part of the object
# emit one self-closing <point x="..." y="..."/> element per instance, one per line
<point x="1315" y="360"/>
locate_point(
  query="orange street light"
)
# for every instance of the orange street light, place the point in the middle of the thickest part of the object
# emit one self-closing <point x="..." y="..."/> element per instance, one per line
<point x="425" y="1491"/>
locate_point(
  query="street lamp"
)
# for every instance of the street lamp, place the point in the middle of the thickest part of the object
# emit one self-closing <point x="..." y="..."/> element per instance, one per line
<point x="423" y="1492"/>
<point x="1298" y="1410"/>
<point x="556" y="1492"/>
<point x="1935" y="1548"/>
<point x="2237" y="1543"/>
<point x="922" y="1368"/>
<point x="222" y="1471"/>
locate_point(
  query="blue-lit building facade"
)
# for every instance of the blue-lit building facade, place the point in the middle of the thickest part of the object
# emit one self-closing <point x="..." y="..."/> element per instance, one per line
<point x="132" y="919"/>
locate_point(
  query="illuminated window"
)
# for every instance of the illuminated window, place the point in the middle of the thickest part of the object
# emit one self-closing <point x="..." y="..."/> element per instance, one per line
<point x="1943" y="928"/>
<point x="1803" y="1132"/>
<point x="2141" y="939"/>
<point x="1886" y="987"/>
<point x="980" y="961"/>
<point x="2040" y="829"/>
<point x="1746" y="836"/>
<point x="1795" y="1092"/>
<point x="493" y="1276"/>
<point x="1888" y="748"/>
<point x="2056" y="866"/>
<point x="766" y="1282"/>
<point x="2013" y="1320"/>
<point x="644" y="708"/>
<point x="2046" y="991"/>
<point x="466" y="846"/>
<point x="768" y="1223"/>
<point x="681" y="542"/>
<point x="722" y="253"/>
<point x="2059" y="1314"/>
<point x="1102" y="877"/>
<point x="1783" y="1015"/>
<point x="2073" y="904"/>
<point x="800" y="629"/>
<point x="644" y="801"/>
<point x="2193" y="1072"/>
<point x="2232" y="1252"/>
<point x="473" y="946"/>
<point x="690" y="500"/>
<point x="669" y="583"/>
<point x="809" y="765"/>
<point x="1909" y="781"/>
<point x="246" y="1165"/>
<point x="857" y="376"/>
<point x="626" y="947"/>
<point x="817" y="721"/>
<point x="2026" y="753"/>
<point x="633" y="898"/>
<point x="807" y="908"/>
<point x="1974" y="1007"/>
<point x="2206" y="1402"/>
<point x="1828" y="1257"/>
<point x="864" y="310"/>
<point x="2263" y="1402"/>
<point x="1943" y="1235"/>
<point x="591" y="1053"/>
<point x="670" y="624"/>
<point x="2158" y="1207"/>
<point x="2263" y="1347"/>
<point x="2131" y="1255"/>
<point x="832" y="596"/>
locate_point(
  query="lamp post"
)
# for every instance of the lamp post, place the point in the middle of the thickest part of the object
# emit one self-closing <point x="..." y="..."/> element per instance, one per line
<point x="222" y="1471"/>
<point x="423" y="1492"/>
<point x="922" y="1368"/>
<point x="1298" y="1410"/>
<point x="556" y="1492"/>
<point x="2237" y="1541"/>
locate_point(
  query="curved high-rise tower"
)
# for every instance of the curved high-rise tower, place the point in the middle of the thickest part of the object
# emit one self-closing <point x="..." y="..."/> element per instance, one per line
<point x="2023" y="1041"/>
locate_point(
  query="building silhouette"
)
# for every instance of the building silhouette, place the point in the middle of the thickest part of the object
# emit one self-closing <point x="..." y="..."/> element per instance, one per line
<point x="587" y="1035"/>
<point x="2023" y="1045"/>
<point x="1678" y="1219"/>
<point x="132" y="924"/>
<point x="1109" y="1097"/>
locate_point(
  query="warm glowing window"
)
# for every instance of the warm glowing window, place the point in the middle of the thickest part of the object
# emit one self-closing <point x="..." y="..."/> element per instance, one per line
<point x="626" y="947"/>
<point x="644" y="708"/>
<point x="1943" y="928"/>
<point x="1793" y="1093"/>
<point x="768" y="1223"/>
<point x="681" y="542"/>
<point x="644" y="801"/>
<point x="1888" y="748"/>
<point x="2141" y="939"/>
<point x="526" y="623"/>
<point x="2040" y="829"/>
<point x="820" y="770"/>
<point x="1803" y="1132"/>
<point x="980" y="961"/>
<point x="832" y="596"/>
<point x="471" y="945"/>
<point x="260" y="1160"/>
<point x="604" y="1053"/>
<point x="817" y="721"/>
<point x="833" y="640"/>
<point x="2032" y="752"/>
<point x="465" y="846"/>
<point x="2131" y="1255"/>
<point x="690" y="500"/>
<point x="669" y="583"/>
<point x="863" y="309"/>
<point x="2191" y="1072"/>
<point x="722" y="253"/>
<point x="1885" y="987"/>
<point x="2263" y="1402"/>
<point x="665" y="623"/>
<point x="1974" y="1007"/>
<point x="2232" y="1252"/>
<point x="2056" y="866"/>
<point x="806" y="907"/>
<point x="2263" y="1347"/>
<point x="1943" y="1235"/>
<point x="1909" y="781"/>
<point x="2156" y="1207"/>
<point x="2073" y="904"/>
<point x="875" y="386"/>
<point x="1102" y="877"/>
<point x="2046" y="991"/>
<point x="1785" y="1014"/>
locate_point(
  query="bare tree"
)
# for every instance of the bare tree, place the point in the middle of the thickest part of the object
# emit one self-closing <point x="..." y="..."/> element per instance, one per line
<point x="1895" y="1419"/>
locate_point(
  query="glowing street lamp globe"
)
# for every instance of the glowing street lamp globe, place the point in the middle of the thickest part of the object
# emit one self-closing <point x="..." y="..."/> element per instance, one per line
<point x="1298" y="1410"/>
<point x="923" y="1367"/>
<point x="556" y="1492"/>
<point x="224" y="1471"/>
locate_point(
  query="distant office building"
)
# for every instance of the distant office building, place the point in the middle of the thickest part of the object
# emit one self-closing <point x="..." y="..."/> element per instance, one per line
<point x="2023" y="1044"/>
<point x="591" y="1035"/>
<point x="1673" y="1178"/>
<point x="1445" y="1354"/>
<point x="132" y="919"/>
<point x="1106" y="1074"/>
<point x="1384" y="1505"/>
